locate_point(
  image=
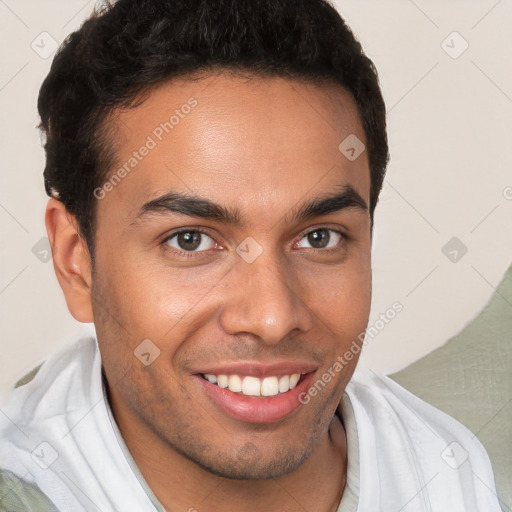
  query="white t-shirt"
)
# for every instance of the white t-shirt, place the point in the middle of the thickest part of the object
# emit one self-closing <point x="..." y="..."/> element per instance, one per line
<point x="60" y="448"/>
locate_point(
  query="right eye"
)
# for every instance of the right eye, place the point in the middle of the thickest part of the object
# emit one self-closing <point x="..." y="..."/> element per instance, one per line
<point x="190" y="241"/>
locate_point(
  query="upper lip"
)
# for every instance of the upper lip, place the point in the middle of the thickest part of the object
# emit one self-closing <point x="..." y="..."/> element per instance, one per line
<point x="258" y="368"/>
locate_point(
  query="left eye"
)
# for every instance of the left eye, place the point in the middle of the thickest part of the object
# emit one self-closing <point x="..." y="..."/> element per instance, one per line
<point x="190" y="241"/>
<point x="322" y="238"/>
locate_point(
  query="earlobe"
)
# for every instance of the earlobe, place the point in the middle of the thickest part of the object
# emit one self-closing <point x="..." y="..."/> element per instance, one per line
<point x="71" y="260"/>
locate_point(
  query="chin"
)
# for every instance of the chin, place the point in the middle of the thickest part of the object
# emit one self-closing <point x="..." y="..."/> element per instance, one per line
<point x="249" y="463"/>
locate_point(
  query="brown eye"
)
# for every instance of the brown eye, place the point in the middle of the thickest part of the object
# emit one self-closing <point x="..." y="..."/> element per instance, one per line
<point x="322" y="238"/>
<point x="190" y="241"/>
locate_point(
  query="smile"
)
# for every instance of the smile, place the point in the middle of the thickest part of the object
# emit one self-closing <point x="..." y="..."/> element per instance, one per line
<point x="255" y="399"/>
<point x="254" y="386"/>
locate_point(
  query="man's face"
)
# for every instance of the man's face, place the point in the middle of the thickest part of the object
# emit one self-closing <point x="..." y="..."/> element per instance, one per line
<point x="266" y="294"/>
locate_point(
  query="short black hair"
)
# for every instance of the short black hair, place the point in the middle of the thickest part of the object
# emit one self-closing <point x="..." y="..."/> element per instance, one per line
<point x="126" y="48"/>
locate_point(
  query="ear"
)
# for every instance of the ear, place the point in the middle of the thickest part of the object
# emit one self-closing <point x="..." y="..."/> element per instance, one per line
<point x="71" y="260"/>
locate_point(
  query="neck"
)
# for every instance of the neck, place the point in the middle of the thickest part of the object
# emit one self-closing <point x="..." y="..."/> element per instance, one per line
<point x="180" y="484"/>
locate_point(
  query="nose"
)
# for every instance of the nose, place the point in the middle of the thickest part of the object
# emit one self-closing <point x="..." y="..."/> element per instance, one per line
<point x="264" y="300"/>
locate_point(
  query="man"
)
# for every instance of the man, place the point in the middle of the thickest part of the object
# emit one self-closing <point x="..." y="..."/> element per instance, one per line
<point x="214" y="169"/>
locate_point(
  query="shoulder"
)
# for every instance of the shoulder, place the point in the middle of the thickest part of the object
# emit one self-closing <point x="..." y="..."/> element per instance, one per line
<point x="390" y="407"/>
<point x="408" y="446"/>
<point x="41" y="406"/>
<point x="43" y="391"/>
<point x="378" y="393"/>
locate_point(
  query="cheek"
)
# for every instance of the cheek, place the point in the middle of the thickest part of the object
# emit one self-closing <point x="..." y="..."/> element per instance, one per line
<point x="158" y="301"/>
<point x="341" y="295"/>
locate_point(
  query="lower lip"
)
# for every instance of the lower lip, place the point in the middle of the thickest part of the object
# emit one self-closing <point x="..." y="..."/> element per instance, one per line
<point x="256" y="409"/>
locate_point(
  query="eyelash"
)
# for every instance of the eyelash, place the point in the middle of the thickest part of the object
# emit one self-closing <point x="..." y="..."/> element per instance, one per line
<point x="195" y="254"/>
<point x="186" y="254"/>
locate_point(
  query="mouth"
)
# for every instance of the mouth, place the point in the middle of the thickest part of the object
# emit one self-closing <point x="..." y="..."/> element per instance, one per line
<point x="254" y="386"/>
<point x="255" y="398"/>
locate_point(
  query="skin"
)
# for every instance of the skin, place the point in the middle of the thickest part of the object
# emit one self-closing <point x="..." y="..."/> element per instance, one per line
<point x="263" y="146"/>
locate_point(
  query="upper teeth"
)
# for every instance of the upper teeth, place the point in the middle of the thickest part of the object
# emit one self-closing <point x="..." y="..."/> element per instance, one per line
<point x="253" y="386"/>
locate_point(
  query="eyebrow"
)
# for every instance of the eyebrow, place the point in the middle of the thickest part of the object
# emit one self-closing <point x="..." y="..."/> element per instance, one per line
<point x="194" y="206"/>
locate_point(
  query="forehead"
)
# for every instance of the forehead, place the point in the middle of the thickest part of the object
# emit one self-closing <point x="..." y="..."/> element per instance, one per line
<point x="260" y="144"/>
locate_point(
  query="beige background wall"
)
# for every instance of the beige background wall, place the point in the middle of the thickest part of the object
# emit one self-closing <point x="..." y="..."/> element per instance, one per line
<point x="450" y="175"/>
